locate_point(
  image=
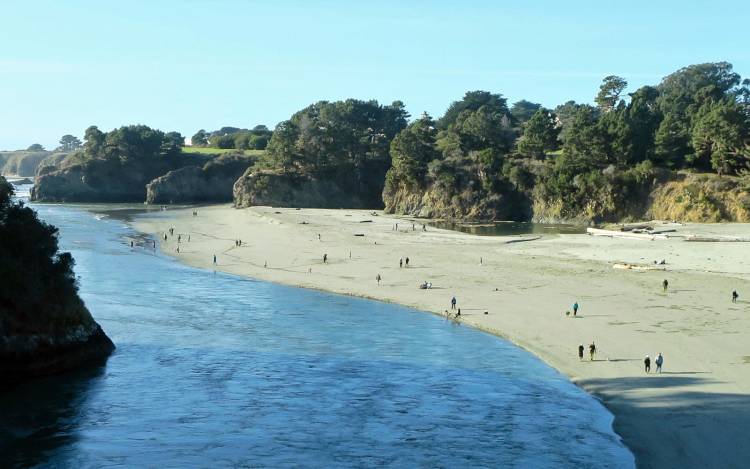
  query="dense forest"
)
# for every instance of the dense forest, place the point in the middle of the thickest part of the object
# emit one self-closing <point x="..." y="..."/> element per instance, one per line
<point x="337" y="152"/>
<point x="483" y="159"/>
<point x="233" y="138"/>
<point x="682" y="145"/>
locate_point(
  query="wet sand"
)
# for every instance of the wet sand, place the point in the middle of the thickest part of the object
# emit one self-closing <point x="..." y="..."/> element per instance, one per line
<point x="694" y="414"/>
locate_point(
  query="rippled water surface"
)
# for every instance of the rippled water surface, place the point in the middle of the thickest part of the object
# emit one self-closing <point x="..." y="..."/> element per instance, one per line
<point x="214" y="371"/>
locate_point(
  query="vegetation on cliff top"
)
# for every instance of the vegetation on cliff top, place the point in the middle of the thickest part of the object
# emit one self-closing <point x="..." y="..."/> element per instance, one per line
<point x="344" y="142"/>
<point x="586" y="161"/>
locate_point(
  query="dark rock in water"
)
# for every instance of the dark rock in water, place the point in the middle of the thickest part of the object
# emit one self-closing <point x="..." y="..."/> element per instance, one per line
<point x="18" y="182"/>
<point x="278" y="189"/>
<point x="23" y="358"/>
<point x="192" y="184"/>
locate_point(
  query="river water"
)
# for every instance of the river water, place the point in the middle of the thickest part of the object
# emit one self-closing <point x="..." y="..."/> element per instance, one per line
<point x="213" y="370"/>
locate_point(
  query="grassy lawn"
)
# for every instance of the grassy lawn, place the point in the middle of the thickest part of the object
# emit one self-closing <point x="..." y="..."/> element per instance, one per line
<point x="221" y="151"/>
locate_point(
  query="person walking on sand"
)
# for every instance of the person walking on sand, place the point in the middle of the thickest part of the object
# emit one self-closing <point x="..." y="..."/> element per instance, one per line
<point x="592" y="350"/>
<point x="665" y="284"/>
<point x="214" y="259"/>
<point x="318" y="236"/>
<point x="407" y="262"/>
<point x="131" y="244"/>
<point x="377" y="277"/>
<point x="659" y="362"/>
<point x="575" y="308"/>
<point x="735" y="295"/>
<point x="647" y="364"/>
<point x="580" y="352"/>
<point x="325" y="258"/>
<point x="400" y="262"/>
<point x="453" y="303"/>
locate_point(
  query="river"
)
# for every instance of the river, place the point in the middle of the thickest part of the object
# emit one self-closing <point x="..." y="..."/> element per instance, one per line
<point x="213" y="370"/>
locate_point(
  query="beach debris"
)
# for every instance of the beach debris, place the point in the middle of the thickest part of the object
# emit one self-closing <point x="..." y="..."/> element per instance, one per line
<point x="522" y="239"/>
<point x="624" y="234"/>
<point x="716" y="239"/>
<point x="365" y="221"/>
<point x="639" y="267"/>
<point x="359" y="234"/>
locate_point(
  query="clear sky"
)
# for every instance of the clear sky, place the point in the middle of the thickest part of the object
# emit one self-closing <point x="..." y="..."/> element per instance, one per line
<point x="186" y="65"/>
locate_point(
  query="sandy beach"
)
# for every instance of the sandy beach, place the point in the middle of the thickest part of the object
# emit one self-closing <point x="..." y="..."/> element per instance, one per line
<point x="696" y="413"/>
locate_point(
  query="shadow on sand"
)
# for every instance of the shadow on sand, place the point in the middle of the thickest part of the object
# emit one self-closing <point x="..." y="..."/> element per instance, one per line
<point x="682" y="427"/>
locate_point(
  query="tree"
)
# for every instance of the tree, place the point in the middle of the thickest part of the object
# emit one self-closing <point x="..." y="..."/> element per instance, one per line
<point x="609" y="92"/>
<point x="69" y="143"/>
<point x="413" y="149"/>
<point x="35" y="147"/>
<point x="721" y="136"/>
<point x="94" y="141"/>
<point x="539" y="135"/>
<point x="586" y="144"/>
<point x="200" y="138"/>
<point x="565" y="114"/>
<point x="472" y="101"/>
<point x="522" y="111"/>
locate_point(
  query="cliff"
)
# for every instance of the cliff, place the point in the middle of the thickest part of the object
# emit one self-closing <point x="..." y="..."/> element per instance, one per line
<point x="44" y="325"/>
<point x="437" y="201"/>
<point x="276" y="188"/>
<point x="25" y="163"/>
<point x="103" y="180"/>
<point x="664" y="195"/>
<point x="192" y="184"/>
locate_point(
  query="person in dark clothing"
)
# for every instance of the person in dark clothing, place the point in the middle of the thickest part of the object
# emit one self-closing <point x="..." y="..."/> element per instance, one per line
<point x="647" y="364"/>
<point x="214" y="259"/>
<point x="580" y="352"/>
<point x="453" y="303"/>
<point x="378" y="278"/>
<point x="665" y="284"/>
<point x="735" y="295"/>
<point x="407" y="262"/>
<point x="325" y="258"/>
<point x="575" y="308"/>
<point x="592" y="350"/>
<point x="400" y="262"/>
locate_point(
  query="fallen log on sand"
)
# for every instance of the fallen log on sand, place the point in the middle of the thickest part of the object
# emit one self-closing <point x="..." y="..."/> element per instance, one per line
<point x="640" y="267"/>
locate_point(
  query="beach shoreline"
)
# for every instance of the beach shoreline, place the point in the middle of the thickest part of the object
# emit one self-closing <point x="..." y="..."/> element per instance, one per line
<point x="675" y="419"/>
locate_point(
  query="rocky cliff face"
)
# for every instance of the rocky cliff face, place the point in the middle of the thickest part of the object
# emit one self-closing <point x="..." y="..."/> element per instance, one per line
<point x="24" y="356"/>
<point x="704" y="198"/>
<point x="25" y="163"/>
<point x="685" y="197"/>
<point x="192" y="184"/>
<point x="469" y="204"/>
<point x="285" y="190"/>
<point x="102" y="180"/>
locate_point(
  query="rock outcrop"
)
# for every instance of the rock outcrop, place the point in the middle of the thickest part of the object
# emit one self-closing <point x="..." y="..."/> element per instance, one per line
<point x="437" y="202"/>
<point x="703" y="198"/>
<point x="103" y="180"/>
<point x="192" y="184"/>
<point x="279" y="189"/>
<point x="25" y="163"/>
<point x="681" y="196"/>
<point x="45" y="327"/>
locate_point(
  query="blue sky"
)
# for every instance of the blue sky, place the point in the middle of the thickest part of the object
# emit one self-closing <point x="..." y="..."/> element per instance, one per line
<point x="186" y="65"/>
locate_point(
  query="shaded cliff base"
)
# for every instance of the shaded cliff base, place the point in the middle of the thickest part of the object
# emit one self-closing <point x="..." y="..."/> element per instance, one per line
<point x="25" y="358"/>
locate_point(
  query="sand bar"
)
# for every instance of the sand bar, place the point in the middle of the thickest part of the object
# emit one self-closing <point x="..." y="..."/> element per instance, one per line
<point x="695" y="414"/>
